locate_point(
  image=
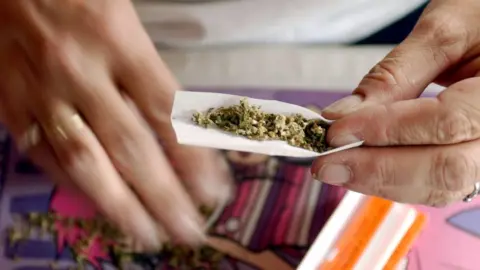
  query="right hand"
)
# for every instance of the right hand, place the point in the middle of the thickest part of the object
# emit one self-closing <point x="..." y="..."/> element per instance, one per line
<point x="417" y="150"/>
<point x="66" y="67"/>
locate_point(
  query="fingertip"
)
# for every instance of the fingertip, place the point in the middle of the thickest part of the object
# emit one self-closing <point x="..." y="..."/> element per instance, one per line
<point x="317" y="165"/>
<point x="205" y="173"/>
<point x="146" y="231"/>
<point x="186" y="229"/>
<point x="331" y="115"/>
<point x="336" y="174"/>
<point x="342" y="107"/>
<point x="347" y="130"/>
<point x="214" y="194"/>
<point x="344" y="139"/>
<point x="130" y="218"/>
<point x="217" y="187"/>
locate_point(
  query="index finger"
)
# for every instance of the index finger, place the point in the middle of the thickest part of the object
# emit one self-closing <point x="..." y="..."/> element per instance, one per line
<point x="438" y="41"/>
<point x="151" y="86"/>
<point x="451" y="117"/>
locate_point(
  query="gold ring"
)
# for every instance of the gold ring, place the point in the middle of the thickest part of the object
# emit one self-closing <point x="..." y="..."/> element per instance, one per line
<point x="33" y="135"/>
<point x="30" y="138"/>
<point x="62" y="131"/>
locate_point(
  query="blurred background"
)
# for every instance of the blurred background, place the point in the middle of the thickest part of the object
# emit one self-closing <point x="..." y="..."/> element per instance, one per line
<point x="308" y="52"/>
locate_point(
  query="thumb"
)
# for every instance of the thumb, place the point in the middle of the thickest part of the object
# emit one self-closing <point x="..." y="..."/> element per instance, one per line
<point x="408" y="69"/>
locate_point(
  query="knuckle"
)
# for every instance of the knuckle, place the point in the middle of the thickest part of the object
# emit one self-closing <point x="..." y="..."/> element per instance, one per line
<point x="389" y="77"/>
<point x="61" y="56"/>
<point x="454" y="126"/>
<point x="384" y="71"/>
<point x="452" y="171"/>
<point x="441" y="28"/>
<point x="52" y="52"/>
<point x="449" y="35"/>
<point x="378" y="178"/>
<point x="116" y="204"/>
<point x="384" y="74"/>
<point x="438" y="199"/>
<point x="117" y="199"/>
<point x="385" y="173"/>
<point x="131" y="147"/>
<point x="75" y="155"/>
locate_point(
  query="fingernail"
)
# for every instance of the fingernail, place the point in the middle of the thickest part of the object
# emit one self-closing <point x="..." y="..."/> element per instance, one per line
<point x="217" y="187"/>
<point x="190" y="230"/>
<point x="344" y="139"/>
<point x="344" y="105"/>
<point x="149" y="234"/>
<point x="216" y="194"/>
<point x="334" y="174"/>
<point x="162" y="234"/>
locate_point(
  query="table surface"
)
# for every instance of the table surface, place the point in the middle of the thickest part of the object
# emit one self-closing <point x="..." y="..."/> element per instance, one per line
<point x="309" y="68"/>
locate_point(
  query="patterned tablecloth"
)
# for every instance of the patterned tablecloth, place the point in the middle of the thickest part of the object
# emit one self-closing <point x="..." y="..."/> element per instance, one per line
<point x="276" y="214"/>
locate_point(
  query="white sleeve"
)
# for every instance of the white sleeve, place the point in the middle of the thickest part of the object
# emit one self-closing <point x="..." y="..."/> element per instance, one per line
<point x="187" y="23"/>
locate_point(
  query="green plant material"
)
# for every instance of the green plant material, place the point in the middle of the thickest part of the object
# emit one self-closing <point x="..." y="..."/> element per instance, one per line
<point x="251" y="122"/>
<point x="111" y="238"/>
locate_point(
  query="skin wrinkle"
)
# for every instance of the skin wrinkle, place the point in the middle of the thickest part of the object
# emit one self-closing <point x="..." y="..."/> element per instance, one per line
<point x="391" y="70"/>
<point x="434" y="199"/>
<point x="432" y="143"/>
<point x="385" y="135"/>
<point x="385" y="175"/>
<point x="447" y="37"/>
<point x="413" y="133"/>
<point x="441" y="59"/>
<point x="383" y="75"/>
<point x="450" y="171"/>
<point x="451" y="128"/>
<point x="458" y="121"/>
<point x="398" y="75"/>
<point x="391" y="134"/>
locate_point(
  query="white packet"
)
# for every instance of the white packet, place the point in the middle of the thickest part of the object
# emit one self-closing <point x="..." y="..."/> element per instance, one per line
<point x="187" y="103"/>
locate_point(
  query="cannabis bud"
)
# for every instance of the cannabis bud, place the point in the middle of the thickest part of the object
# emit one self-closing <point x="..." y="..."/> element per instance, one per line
<point x="250" y="122"/>
<point x="110" y="238"/>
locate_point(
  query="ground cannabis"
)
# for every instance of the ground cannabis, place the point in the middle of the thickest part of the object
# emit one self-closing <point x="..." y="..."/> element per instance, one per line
<point x="178" y="257"/>
<point x="251" y="122"/>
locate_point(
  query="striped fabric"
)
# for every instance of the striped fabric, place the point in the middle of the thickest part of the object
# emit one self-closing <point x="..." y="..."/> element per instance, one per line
<point x="277" y="209"/>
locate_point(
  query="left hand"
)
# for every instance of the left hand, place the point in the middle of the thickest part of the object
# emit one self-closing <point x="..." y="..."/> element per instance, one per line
<point x="425" y="150"/>
<point x="86" y="96"/>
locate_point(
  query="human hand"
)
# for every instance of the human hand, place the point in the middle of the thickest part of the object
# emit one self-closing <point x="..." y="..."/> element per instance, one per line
<point x="70" y="72"/>
<point x="425" y="150"/>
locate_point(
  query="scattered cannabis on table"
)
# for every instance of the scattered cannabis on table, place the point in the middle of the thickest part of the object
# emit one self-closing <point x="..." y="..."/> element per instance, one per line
<point x="112" y="241"/>
<point x="251" y="122"/>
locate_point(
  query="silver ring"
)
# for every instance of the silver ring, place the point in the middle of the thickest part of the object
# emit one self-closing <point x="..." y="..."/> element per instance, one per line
<point x="30" y="138"/>
<point x="475" y="192"/>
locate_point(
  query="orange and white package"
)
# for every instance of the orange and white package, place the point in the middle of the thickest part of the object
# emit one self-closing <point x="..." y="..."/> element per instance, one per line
<point x="365" y="233"/>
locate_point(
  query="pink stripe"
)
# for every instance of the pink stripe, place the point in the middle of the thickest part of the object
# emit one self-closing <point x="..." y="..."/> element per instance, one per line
<point x="240" y="194"/>
<point x="229" y="209"/>
<point x="300" y="209"/>
<point x="249" y="205"/>
<point x="276" y="211"/>
<point x="244" y="194"/>
<point x="295" y="177"/>
<point x="242" y="198"/>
